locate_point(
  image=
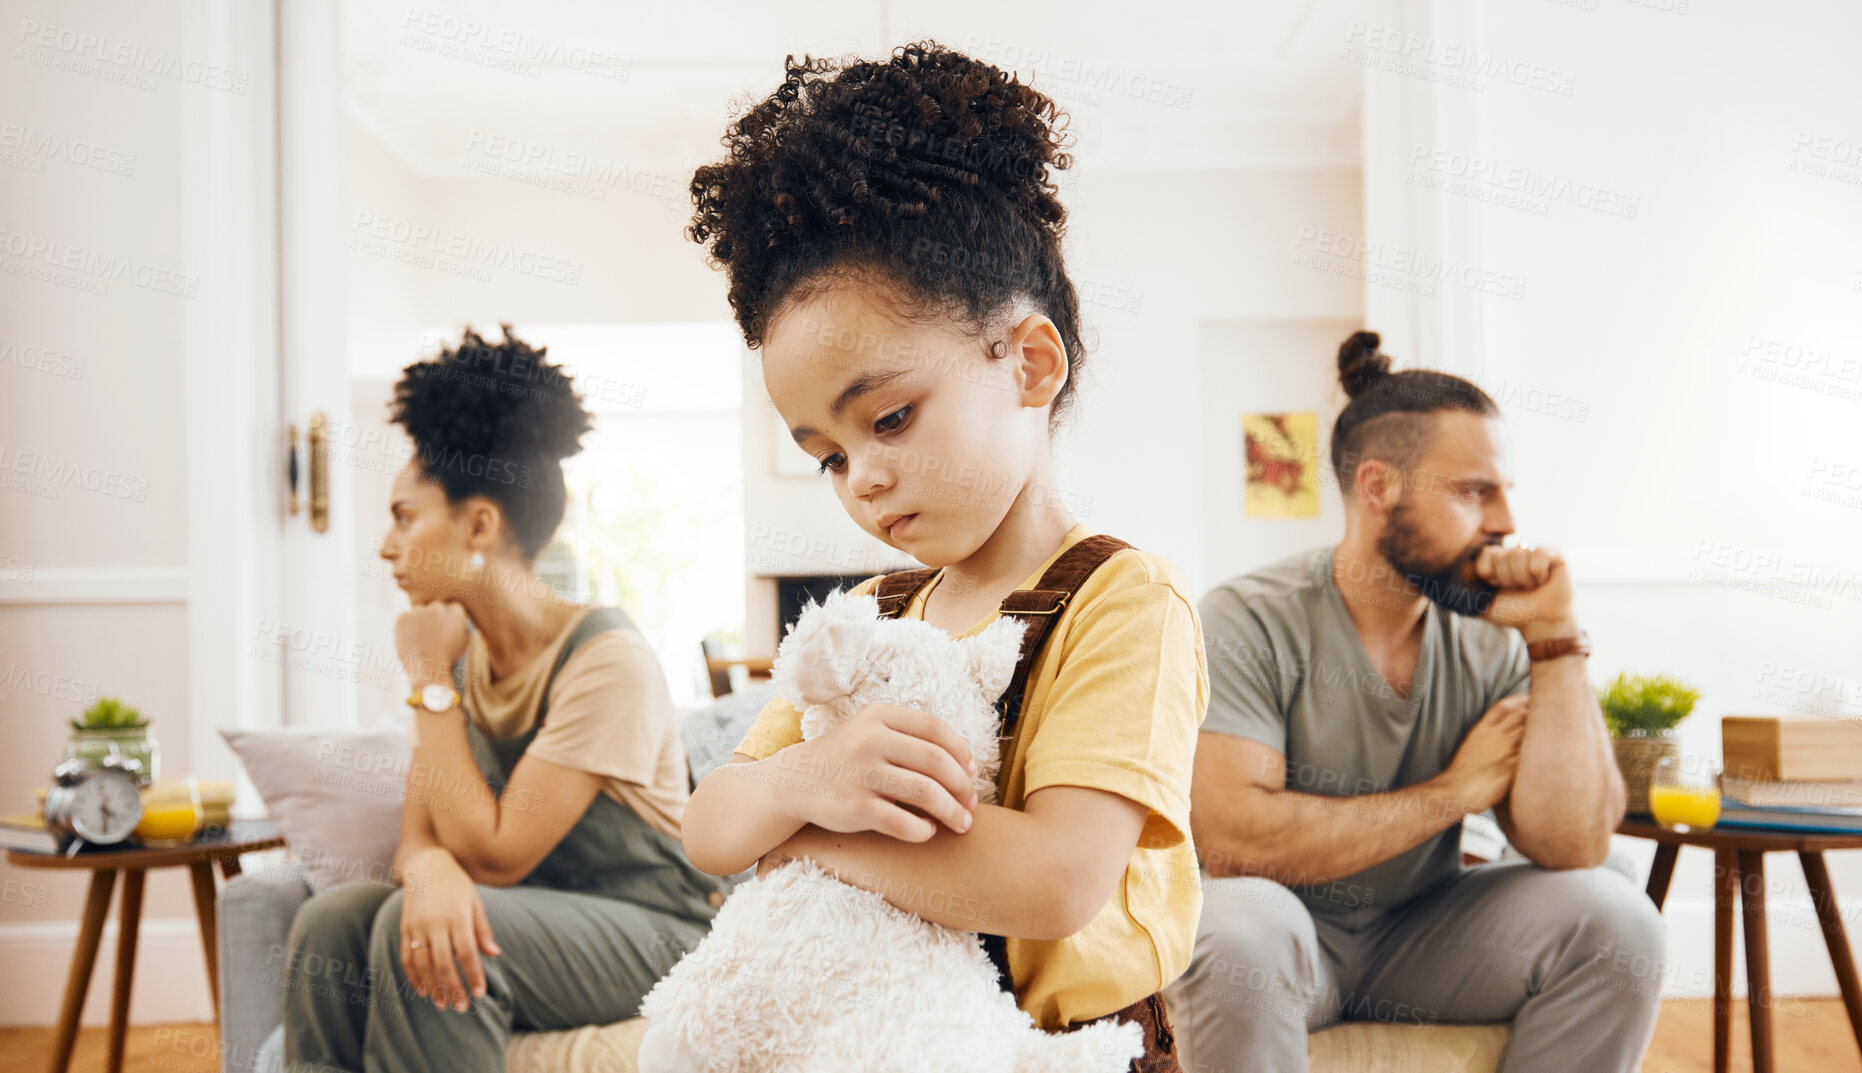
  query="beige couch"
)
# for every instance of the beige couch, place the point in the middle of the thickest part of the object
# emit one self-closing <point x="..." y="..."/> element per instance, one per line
<point x="1363" y="1047"/>
<point x="256" y="910"/>
<point x="255" y="915"/>
<point x="1351" y="1048"/>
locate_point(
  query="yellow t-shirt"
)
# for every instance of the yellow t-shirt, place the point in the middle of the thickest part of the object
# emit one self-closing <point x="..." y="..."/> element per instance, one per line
<point x="1114" y="700"/>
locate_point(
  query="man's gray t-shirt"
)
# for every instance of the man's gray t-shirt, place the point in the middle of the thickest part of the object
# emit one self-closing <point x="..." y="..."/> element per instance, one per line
<point x="1286" y="669"/>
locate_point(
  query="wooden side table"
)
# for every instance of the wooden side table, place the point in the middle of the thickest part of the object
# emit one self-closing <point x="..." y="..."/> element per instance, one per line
<point x="1739" y="875"/>
<point x="198" y="857"/>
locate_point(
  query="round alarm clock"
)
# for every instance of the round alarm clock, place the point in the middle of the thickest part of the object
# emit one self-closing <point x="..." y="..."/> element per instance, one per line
<point x="99" y="805"/>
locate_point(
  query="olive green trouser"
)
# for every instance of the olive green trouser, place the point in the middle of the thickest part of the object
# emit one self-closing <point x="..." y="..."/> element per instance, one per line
<point x="568" y="960"/>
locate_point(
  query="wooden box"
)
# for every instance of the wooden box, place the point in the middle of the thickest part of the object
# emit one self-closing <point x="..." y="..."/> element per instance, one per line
<point x="1790" y="747"/>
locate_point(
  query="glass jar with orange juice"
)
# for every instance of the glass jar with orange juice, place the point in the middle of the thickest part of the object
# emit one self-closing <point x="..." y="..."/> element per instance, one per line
<point x="171" y="813"/>
<point x="1684" y="793"/>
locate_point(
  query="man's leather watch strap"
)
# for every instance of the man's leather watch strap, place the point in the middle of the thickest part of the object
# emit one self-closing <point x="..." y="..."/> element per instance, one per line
<point x="1553" y="647"/>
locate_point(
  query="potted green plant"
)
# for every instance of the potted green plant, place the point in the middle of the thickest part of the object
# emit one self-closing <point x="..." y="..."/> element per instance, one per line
<point x="110" y="725"/>
<point x="1641" y="712"/>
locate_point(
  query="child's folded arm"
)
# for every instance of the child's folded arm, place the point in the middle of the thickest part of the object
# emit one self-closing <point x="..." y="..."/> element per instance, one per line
<point x="1041" y="872"/>
<point x="736" y="815"/>
<point x="860" y="776"/>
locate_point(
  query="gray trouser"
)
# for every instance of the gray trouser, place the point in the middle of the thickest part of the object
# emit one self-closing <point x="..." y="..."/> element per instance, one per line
<point x="1571" y="958"/>
<point x="568" y="960"/>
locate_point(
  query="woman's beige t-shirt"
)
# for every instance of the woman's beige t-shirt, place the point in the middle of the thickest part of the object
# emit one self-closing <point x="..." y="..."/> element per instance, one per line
<point x="610" y="714"/>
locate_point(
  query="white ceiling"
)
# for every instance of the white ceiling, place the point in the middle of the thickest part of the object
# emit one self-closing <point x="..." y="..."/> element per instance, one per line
<point x="1265" y="80"/>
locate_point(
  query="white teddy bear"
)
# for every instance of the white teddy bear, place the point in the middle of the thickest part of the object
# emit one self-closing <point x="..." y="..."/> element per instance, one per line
<point x="803" y="973"/>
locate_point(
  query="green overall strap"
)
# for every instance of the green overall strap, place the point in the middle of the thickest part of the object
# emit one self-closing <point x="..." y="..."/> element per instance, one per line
<point x="598" y="620"/>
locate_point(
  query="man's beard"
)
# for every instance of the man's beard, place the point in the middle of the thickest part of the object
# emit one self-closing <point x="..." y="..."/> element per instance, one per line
<point x="1454" y="586"/>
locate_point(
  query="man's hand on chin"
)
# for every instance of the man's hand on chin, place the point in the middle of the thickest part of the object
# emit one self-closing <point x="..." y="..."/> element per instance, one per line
<point x="1533" y="591"/>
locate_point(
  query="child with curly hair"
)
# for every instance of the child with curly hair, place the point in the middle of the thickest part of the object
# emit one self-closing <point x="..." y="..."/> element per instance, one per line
<point x="892" y="240"/>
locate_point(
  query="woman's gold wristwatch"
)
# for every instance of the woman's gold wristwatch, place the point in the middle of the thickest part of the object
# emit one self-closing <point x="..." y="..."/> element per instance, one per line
<point x="435" y="698"/>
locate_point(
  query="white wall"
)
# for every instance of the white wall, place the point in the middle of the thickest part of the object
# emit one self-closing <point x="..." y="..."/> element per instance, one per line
<point x="93" y="569"/>
<point x="1256" y="367"/>
<point x="1147" y="292"/>
<point x="616" y="259"/>
<point x="386" y="317"/>
<point x="1217" y="253"/>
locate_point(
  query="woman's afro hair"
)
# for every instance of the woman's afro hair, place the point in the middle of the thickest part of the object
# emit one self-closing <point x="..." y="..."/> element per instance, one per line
<point x="494" y="419"/>
<point x="929" y="172"/>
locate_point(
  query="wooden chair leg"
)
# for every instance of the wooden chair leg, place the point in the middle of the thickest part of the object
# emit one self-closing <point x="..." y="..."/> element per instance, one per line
<point x="90" y="933"/>
<point x="1662" y="871"/>
<point x="1725" y="897"/>
<point x="204" y="894"/>
<point x="1829" y="914"/>
<point x="130" y="916"/>
<point x="229" y="865"/>
<point x="1758" y="957"/>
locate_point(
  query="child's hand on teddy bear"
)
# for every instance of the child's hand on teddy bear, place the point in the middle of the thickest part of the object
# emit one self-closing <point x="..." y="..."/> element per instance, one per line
<point x="889" y="769"/>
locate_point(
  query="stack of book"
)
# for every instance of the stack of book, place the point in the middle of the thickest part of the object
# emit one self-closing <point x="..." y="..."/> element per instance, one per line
<point x="1795" y="773"/>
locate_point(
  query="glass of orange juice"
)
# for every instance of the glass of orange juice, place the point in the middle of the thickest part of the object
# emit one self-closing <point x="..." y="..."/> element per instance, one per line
<point x="171" y="814"/>
<point x="1684" y="793"/>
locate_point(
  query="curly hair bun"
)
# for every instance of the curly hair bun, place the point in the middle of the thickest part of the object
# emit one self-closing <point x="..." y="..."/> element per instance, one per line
<point x="889" y="139"/>
<point x="928" y="163"/>
<point x="1360" y="363"/>
<point x="491" y="398"/>
<point x="933" y="119"/>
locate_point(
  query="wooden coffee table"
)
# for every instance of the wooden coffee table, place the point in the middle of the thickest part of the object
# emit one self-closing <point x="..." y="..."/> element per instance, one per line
<point x="224" y="845"/>
<point x="1739" y="875"/>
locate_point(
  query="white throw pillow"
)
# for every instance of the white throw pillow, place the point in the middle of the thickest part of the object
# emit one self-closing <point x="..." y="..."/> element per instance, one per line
<point x="335" y="795"/>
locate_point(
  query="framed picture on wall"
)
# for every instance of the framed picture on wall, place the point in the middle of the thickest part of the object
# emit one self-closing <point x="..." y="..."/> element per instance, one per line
<point x="1280" y="465"/>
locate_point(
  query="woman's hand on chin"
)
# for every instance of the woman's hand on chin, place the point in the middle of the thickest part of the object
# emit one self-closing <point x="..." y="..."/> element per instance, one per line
<point x="429" y="638"/>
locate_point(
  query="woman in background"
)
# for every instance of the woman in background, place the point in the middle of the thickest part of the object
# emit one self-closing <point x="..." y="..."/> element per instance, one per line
<point x="542" y="882"/>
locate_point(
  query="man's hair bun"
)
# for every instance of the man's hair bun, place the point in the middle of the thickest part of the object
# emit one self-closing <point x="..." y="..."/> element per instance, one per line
<point x="1360" y="363"/>
<point x="1383" y="420"/>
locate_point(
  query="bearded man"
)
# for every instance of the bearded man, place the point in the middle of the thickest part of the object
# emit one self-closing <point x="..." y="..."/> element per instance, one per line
<point x="1364" y="699"/>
